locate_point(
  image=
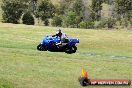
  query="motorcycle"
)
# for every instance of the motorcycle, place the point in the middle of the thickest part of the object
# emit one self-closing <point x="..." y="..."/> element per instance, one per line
<point x="50" y="43"/>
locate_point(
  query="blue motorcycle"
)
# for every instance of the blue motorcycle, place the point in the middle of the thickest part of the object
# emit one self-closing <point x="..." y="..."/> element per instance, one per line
<point x="50" y="43"/>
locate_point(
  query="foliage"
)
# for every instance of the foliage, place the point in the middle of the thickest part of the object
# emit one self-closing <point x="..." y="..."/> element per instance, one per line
<point x="78" y="7"/>
<point x="96" y="9"/>
<point x="83" y="25"/>
<point x="78" y="19"/>
<point x="70" y="19"/>
<point x="73" y="14"/>
<point x="57" y="20"/>
<point x="28" y="19"/>
<point x="124" y="22"/>
<point x="46" y="10"/>
<point x="101" y="24"/>
<point x="62" y="7"/>
<point x="109" y="23"/>
<point x="12" y="10"/>
<point x="90" y="24"/>
<point x="69" y="13"/>
<point x="87" y="24"/>
<point x="108" y="1"/>
<point x="123" y="8"/>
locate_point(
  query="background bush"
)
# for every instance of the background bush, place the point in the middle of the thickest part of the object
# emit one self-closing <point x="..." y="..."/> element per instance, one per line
<point x="90" y="24"/>
<point x="87" y="25"/>
<point x="28" y="19"/>
<point x="83" y="25"/>
<point x="106" y="23"/>
<point x="57" y="21"/>
<point x="110" y="22"/>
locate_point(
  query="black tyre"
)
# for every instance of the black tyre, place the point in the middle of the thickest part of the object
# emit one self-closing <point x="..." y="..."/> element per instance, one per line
<point x="70" y="50"/>
<point x="74" y="49"/>
<point x="40" y="47"/>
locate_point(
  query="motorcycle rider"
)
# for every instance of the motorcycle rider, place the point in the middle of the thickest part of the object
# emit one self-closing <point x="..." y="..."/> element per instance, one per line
<point x="63" y="37"/>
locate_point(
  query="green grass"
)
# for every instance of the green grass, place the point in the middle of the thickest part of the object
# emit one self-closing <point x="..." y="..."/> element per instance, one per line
<point x="5" y="84"/>
<point x="22" y="66"/>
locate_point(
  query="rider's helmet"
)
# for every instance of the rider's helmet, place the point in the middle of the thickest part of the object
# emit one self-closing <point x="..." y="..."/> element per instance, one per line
<point x="58" y="31"/>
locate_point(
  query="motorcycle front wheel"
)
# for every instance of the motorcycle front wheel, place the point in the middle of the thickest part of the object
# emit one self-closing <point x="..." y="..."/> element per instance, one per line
<point x="40" y="47"/>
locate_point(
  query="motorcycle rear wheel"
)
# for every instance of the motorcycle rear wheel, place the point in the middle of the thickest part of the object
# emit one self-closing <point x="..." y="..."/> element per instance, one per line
<point x="70" y="50"/>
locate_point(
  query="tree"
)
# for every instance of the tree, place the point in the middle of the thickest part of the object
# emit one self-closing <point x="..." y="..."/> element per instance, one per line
<point x="63" y="6"/>
<point x="12" y="10"/>
<point x="46" y="10"/>
<point x="78" y="8"/>
<point x="70" y="19"/>
<point x="123" y="8"/>
<point x="96" y="9"/>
